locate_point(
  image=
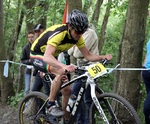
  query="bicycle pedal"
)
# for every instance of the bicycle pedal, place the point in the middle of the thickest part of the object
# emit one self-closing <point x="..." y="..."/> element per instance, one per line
<point x="40" y="119"/>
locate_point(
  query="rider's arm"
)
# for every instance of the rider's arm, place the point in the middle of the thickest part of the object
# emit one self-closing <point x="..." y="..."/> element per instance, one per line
<point x="52" y="61"/>
<point x="92" y="57"/>
<point x="49" y="57"/>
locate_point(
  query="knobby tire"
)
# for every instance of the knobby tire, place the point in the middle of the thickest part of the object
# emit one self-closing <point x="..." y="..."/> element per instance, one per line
<point x="29" y="106"/>
<point x="114" y="106"/>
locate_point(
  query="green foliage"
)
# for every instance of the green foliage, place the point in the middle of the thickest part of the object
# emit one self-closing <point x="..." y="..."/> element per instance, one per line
<point x="55" y="13"/>
<point x="106" y="83"/>
<point x="13" y="101"/>
<point x="113" y="36"/>
<point x="119" y="7"/>
<point x="143" y="96"/>
<point x="114" y="28"/>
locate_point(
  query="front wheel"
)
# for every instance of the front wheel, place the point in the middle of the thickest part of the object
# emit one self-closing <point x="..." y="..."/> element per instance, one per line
<point x="116" y="109"/>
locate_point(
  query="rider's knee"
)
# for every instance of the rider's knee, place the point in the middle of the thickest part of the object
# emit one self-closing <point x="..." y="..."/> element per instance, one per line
<point x="57" y="78"/>
<point x="66" y="91"/>
<point x="64" y="78"/>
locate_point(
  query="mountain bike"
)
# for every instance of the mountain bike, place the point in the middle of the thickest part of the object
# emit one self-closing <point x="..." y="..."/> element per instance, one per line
<point x="107" y="108"/>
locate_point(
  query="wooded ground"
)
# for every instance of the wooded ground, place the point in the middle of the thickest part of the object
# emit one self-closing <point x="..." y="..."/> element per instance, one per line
<point x="8" y="115"/>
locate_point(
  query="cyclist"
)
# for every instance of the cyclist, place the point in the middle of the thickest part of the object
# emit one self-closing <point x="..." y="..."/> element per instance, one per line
<point x="49" y="44"/>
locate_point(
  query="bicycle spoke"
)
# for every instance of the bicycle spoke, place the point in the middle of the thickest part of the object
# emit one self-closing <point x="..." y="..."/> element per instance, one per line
<point x="29" y="110"/>
<point x="116" y="110"/>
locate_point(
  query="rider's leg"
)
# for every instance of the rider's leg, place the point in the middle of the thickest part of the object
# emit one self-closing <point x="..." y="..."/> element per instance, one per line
<point x="46" y="87"/>
<point x="88" y="102"/>
<point x="55" y="87"/>
<point x="65" y="97"/>
<point x="75" y="90"/>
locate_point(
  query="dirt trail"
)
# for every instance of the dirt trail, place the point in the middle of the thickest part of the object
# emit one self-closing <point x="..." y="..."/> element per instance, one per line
<point x="8" y="115"/>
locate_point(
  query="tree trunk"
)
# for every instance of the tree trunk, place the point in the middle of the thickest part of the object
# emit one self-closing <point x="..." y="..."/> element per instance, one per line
<point x="31" y="15"/>
<point x="44" y="8"/>
<point x="104" y="25"/>
<point x="5" y="83"/>
<point x="19" y="79"/>
<point x="96" y="12"/>
<point x="20" y="23"/>
<point x="74" y="4"/>
<point x="131" y="49"/>
<point x="29" y="4"/>
<point x="15" y="34"/>
<point x="86" y="7"/>
<point x="14" y="40"/>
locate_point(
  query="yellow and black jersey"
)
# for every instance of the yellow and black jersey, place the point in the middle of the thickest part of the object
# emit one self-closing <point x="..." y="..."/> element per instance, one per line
<point x="57" y="36"/>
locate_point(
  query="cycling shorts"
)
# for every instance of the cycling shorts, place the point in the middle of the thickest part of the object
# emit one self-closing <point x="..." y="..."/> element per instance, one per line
<point x="38" y="63"/>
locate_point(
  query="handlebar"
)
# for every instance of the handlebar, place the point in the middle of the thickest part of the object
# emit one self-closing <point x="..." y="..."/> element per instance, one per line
<point x="83" y="69"/>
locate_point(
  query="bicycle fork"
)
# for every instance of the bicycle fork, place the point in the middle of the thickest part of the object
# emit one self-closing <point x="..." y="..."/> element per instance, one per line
<point x="97" y="104"/>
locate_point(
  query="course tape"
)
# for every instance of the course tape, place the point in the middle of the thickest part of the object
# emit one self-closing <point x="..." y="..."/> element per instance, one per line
<point x="130" y="69"/>
<point x="6" y="67"/>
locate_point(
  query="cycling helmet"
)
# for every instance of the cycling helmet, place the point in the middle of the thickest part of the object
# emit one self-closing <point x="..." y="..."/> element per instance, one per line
<point x="78" y="21"/>
<point x="38" y="27"/>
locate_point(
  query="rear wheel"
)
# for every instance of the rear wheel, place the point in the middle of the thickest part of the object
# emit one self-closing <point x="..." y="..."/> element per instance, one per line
<point x="30" y="106"/>
<point x="116" y="109"/>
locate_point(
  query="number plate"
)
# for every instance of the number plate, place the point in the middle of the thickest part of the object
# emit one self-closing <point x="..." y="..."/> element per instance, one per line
<point x="97" y="70"/>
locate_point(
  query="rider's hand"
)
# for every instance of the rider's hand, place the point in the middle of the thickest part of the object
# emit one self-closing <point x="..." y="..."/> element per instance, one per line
<point x="69" y="68"/>
<point x="108" y="56"/>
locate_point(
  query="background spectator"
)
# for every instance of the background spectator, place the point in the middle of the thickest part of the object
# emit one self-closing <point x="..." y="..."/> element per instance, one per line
<point x="25" y="59"/>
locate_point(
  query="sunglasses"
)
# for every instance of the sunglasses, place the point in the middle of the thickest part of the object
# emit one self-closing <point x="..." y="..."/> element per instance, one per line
<point x="36" y="31"/>
<point x="78" y="32"/>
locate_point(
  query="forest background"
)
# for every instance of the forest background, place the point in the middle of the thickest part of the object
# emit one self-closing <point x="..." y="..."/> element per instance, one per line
<point x="122" y="27"/>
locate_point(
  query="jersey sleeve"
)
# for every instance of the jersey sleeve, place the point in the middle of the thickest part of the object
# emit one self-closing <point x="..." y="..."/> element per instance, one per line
<point x="56" y="39"/>
<point x="80" y="43"/>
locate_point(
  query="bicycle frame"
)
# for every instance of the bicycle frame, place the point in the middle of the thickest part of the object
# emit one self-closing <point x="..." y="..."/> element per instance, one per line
<point x="79" y="97"/>
<point x="87" y="80"/>
<point x="101" y="107"/>
<point x="91" y="82"/>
